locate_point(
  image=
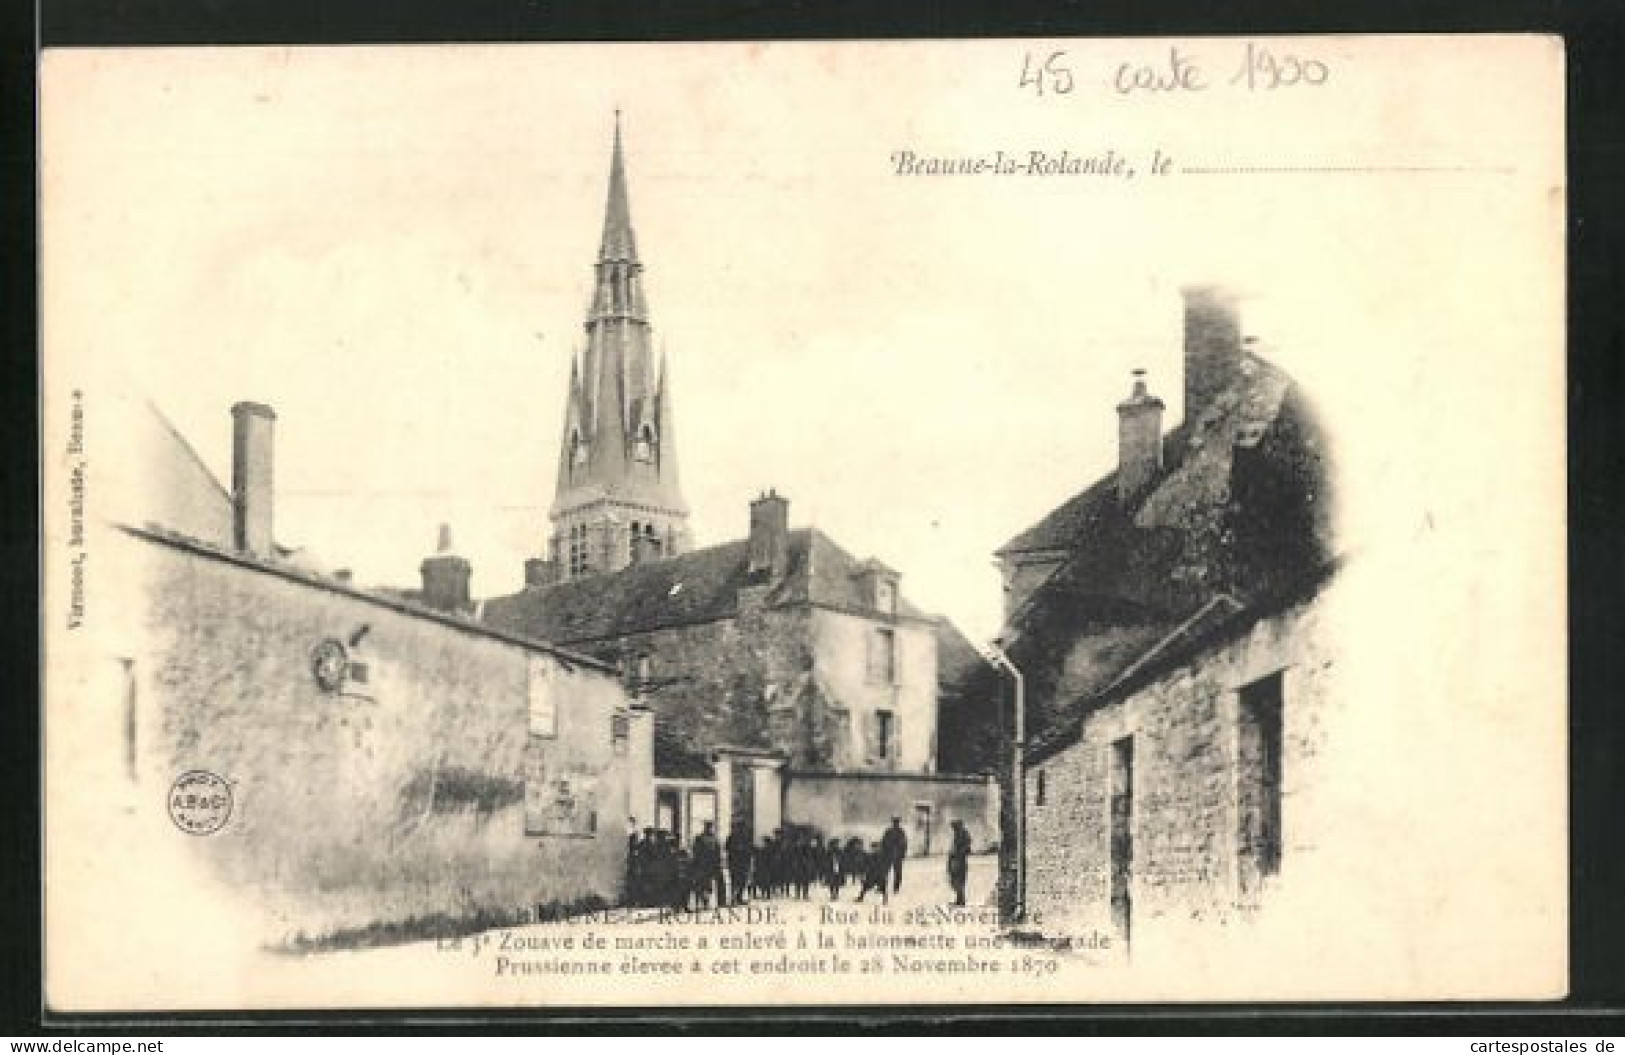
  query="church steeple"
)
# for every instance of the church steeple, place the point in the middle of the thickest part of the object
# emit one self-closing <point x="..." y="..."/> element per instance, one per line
<point x="617" y="499"/>
<point x="618" y="242"/>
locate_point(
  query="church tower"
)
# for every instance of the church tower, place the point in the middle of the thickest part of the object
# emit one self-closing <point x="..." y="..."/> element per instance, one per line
<point x="617" y="501"/>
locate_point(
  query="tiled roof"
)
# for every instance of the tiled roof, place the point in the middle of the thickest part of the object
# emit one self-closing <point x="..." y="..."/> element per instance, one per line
<point x="956" y="656"/>
<point x="1239" y="511"/>
<point x="696" y="587"/>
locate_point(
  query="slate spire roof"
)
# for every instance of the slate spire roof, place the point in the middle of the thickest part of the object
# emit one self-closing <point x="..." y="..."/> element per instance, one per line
<point x="616" y="442"/>
<point x="619" y="244"/>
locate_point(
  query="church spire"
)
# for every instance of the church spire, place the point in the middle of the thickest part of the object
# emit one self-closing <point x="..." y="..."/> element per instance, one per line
<point x="618" y="498"/>
<point x="618" y="243"/>
<point x="618" y="289"/>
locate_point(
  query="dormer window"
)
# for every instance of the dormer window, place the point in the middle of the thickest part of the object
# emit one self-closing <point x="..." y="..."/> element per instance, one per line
<point x="877" y="587"/>
<point x="885" y="596"/>
<point x="644" y="448"/>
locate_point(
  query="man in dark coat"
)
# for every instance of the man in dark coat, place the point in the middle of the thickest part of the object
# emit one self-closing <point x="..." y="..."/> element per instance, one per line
<point x="707" y="864"/>
<point x="644" y="856"/>
<point x="852" y="860"/>
<point x="739" y="852"/>
<point x="894" y="844"/>
<point x="959" y="861"/>
<point x="767" y="867"/>
<point x="832" y="867"/>
<point x="875" y="867"/>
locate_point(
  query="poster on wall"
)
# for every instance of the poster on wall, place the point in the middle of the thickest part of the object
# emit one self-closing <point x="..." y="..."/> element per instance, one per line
<point x="1118" y="552"/>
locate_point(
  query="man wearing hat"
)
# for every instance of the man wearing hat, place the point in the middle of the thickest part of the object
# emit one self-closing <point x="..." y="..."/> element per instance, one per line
<point x="959" y="861"/>
<point x="893" y="848"/>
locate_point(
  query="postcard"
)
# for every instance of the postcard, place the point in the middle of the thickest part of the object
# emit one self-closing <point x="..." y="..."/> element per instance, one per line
<point x="804" y="524"/>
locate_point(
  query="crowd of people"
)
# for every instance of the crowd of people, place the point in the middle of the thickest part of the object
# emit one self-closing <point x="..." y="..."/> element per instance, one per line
<point x="787" y="863"/>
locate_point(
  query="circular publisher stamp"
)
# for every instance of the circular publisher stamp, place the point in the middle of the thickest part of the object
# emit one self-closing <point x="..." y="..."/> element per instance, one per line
<point x="200" y="802"/>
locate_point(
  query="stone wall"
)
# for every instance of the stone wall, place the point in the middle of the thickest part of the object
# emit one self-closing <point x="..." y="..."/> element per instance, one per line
<point x="416" y="788"/>
<point x="790" y="678"/>
<point x="1193" y="858"/>
<point x="713" y="683"/>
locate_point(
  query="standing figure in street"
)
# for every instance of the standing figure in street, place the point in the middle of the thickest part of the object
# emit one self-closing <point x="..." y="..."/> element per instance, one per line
<point x="739" y="852"/>
<point x="683" y="884"/>
<point x="894" y="844"/>
<point x="802" y="864"/>
<point x="645" y="857"/>
<point x="852" y="861"/>
<point x="875" y="868"/>
<point x="832" y="867"/>
<point x="959" y="861"/>
<point x="707" y="863"/>
<point x="766" y="867"/>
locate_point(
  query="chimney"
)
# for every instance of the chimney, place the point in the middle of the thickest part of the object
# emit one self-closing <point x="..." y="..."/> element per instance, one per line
<point x="445" y="577"/>
<point x="251" y="477"/>
<point x="1212" y="344"/>
<point x="1139" y="440"/>
<point x="769" y="537"/>
<point x="540" y="573"/>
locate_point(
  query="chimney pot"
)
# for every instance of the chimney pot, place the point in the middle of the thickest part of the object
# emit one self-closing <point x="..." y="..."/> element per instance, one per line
<point x="769" y="537"/>
<point x="1139" y="440"/>
<point x="539" y="572"/>
<point x="446" y="577"/>
<point x="252" y="477"/>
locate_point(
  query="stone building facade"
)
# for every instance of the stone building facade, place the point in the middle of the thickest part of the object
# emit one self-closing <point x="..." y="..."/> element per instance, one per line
<point x="1199" y="531"/>
<point x="1184" y="793"/>
<point x="779" y="650"/>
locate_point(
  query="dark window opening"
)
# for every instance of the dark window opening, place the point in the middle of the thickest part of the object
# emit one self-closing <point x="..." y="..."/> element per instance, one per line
<point x="1260" y="784"/>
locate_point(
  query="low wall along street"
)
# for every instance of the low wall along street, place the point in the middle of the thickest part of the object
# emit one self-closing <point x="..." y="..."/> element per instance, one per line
<point x="863" y="804"/>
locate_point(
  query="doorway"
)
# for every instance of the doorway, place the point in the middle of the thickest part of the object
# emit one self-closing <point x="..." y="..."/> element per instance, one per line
<point x="922" y="827"/>
<point x="668" y="817"/>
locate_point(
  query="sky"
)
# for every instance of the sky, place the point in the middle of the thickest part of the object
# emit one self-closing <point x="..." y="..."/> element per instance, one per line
<point x="393" y="248"/>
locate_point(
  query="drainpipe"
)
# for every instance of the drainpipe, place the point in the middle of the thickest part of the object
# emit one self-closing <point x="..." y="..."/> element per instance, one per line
<point x="996" y="658"/>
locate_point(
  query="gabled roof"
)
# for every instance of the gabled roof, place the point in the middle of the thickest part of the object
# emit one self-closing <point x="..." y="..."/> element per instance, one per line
<point x="1214" y="625"/>
<point x="697" y="587"/>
